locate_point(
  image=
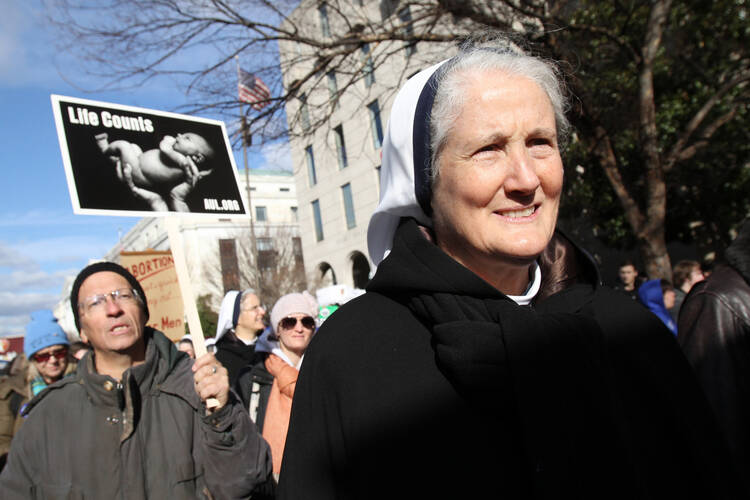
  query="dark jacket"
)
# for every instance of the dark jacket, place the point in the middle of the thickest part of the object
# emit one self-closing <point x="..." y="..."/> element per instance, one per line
<point x="435" y="385"/>
<point x="715" y="336"/>
<point x="254" y="387"/>
<point x="14" y="394"/>
<point x="235" y="355"/>
<point x="89" y="436"/>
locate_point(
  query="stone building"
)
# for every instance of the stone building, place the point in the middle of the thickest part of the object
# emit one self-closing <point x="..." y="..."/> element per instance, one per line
<point x="337" y="159"/>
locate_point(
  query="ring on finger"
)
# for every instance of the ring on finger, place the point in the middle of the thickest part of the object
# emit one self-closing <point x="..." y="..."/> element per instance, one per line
<point x="213" y="369"/>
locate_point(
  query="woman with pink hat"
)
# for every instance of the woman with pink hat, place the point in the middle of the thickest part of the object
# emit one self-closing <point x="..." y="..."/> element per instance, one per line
<point x="267" y="388"/>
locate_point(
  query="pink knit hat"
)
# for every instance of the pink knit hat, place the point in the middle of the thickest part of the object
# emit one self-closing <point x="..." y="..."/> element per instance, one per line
<point x="293" y="303"/>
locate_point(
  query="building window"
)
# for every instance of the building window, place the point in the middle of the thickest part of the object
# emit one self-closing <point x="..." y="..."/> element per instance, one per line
<point x="368" y="66"/>
<point x="266" y="253"/>
<point x="325" y="28"/>
<point x="295" y="215"/>
<point x="376" y="124"/>
<point x="264" y="243"/>
<point x="304" y="113"/>
<point x="260" y="214"/>
<point x="312" y="177"/>
<point x="404" y="15"/>
<point x="346" y="193"/>
<point x="333" y="88"/>
<point x="317" y="220"/>
<point x="284" y="190"/>
<point x="338" y="133"/>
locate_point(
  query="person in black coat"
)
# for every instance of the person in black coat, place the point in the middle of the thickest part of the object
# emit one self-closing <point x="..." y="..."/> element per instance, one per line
<point x="486" y="360"/>
<point x="714" y="332"/>
<point x="240" y="324"/>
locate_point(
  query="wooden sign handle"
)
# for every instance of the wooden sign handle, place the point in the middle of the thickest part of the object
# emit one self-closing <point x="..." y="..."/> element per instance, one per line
<point x="183" y="277"/>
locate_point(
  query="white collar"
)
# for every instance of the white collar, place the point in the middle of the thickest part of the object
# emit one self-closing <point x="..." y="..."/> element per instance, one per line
<point x="533" y="288"/>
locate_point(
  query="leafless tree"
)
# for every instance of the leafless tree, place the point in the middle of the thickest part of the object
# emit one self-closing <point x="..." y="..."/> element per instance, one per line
<point x="278" y="269"/>
<point x="129" y="42"/>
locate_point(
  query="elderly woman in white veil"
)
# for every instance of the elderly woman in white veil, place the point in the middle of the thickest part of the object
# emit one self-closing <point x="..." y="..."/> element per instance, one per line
<point x="486" y="360"/>
<point x="239" y="326"/>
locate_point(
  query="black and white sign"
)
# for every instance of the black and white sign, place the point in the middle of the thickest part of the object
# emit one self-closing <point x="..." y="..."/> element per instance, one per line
<point x="123" y="160"/>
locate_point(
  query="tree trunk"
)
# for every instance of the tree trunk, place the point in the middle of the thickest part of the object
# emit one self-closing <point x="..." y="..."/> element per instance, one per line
<point x="653" y="251"/>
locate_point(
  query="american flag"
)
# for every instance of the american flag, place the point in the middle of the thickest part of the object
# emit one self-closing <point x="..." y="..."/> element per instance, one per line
<point x="252" y="90"/>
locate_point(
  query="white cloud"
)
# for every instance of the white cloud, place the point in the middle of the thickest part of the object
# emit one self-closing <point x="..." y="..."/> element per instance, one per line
<point x="34" y="280"/>
<point x="12" y="50"/>
<point x="13" y="325"/>
<point x="24" y="45"/>
<point x="66" y="249"/>
<point x="16" y="304"/>
<point x="11" y="257"/>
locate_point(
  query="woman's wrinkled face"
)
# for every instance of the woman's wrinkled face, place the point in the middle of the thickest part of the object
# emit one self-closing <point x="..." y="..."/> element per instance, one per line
<point x="497" y="195"/>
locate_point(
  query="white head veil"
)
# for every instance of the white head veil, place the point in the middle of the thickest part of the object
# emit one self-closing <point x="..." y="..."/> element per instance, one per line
<point x="397" y="192"/>
<point x="226" y="314"/>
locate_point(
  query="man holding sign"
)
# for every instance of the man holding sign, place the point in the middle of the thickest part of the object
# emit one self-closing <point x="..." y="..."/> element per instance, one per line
<point x="133" y="423"/>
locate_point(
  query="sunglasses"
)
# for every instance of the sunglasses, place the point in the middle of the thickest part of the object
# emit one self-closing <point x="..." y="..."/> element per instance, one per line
<point x="289" y="323"/>
<point x="44" y="357"/>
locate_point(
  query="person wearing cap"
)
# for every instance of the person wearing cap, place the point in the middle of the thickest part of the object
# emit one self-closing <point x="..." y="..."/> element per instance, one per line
<point x="45" y="345"/>
<point x="267" y="387"/>
<point x="240" y="324"/>
<point x="133" y="421"/>
<point x="185" y="344"/>
<point x="486" y="359"/>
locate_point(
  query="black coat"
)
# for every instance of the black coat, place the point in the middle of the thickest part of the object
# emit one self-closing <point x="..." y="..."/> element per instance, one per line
<point x="714" y="332"/>
<point x="436" y="385"/>
<point x="235" y="355"/>
<point x="254" y="388"/>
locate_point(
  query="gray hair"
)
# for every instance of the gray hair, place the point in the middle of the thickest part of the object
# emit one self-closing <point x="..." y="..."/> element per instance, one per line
<point x="482" y="54"/>
<point x="247" y="292"/>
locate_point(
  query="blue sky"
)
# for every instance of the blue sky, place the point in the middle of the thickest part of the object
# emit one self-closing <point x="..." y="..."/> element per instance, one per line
<point x="41" y="240"/>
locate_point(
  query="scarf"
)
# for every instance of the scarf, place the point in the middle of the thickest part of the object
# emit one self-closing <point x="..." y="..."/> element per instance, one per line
<point x="37" y="385"/>
<point x="536" y="372"/>
<point x="279" y="407"/>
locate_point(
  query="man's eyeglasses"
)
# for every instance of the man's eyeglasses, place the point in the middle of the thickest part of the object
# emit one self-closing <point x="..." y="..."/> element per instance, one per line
<point x="288" y="323"/>
<point x="98" y="301"/>
<point x="44" y="357"/>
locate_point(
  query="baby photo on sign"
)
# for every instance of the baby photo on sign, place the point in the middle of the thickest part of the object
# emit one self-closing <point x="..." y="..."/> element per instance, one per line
<point x="122" y="160"/>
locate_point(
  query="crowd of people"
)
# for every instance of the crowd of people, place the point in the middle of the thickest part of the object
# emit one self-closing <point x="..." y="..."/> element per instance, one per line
<point x="487" y="358"/>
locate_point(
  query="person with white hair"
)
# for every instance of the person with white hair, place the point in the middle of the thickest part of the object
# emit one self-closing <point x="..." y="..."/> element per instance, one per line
<point x="240" y="324"/>
<point x="486" y="359"/>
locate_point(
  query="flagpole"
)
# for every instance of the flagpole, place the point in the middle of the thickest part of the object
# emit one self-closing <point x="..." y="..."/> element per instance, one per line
<point x="253" y="242"/>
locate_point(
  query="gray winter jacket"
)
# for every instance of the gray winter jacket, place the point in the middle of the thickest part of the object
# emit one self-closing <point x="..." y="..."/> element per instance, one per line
<point x="90" y="436"/>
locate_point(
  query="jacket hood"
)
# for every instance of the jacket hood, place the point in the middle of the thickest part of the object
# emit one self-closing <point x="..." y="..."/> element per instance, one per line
<point x="651" y="295"/>
<point x="407" y="271"/>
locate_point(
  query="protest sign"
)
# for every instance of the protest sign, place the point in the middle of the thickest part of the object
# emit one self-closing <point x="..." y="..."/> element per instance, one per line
<point x="155" y="270"/>
<point x="123" y="160"/>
